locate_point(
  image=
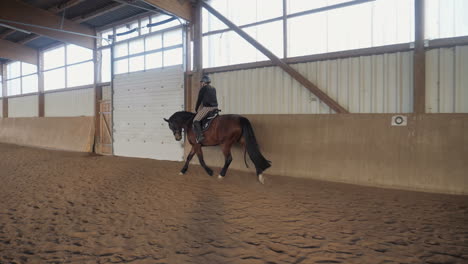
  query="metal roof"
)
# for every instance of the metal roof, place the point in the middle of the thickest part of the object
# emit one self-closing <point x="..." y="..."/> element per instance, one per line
<point x="84" y="8"/>
<point x="41" y="42"/>
<point x="114" y="16"/>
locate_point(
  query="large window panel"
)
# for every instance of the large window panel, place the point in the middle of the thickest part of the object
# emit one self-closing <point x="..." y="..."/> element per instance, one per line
<point x="144" y="29"/>
<point x="241" y="12"/>
<point x="121" y="66"/>
<point x="14" y="87"/>
<point x="29" y="84"/>
<point x="172" y="38"/>
<point x="136" y="46"/>
<point x="127" y="32"/>
<point x="106" y="37"/>
<point x="446" y="18"/>
<point x="105" y="65"/>
<point x="153" y="60"/>
<point x="342" y="23"/>
<point x="77" y="54"/>
<point x="393" y="22"/>
<point x="137" y="63"/>
<point x="300" y="39"/>
<point x="54" y="79"/>
<point x="54" y="58"/>
<point x="267" y="9"/>
<point x="295" y="6"/>
<point x="173" y="57"/>
<point x="21" y="78"/>
<point x="80" y="74"/>
<point x="271" y="36"/>
<point x="153" y="42"/>
<point x="27" y="68"/>
<point x="160" y="18"/>
<point x="121" y="50"/>
<point x="13" y="70"/>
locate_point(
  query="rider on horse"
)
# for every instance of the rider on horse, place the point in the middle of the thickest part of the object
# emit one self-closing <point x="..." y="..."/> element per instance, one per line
<point x="207" y="102"/>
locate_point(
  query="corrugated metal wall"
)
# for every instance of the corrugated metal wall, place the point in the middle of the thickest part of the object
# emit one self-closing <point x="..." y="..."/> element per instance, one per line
<point x="447" y="80"/>
<point x="26" y="106"/>
<point x="70" y="103"/>
<point x="368" y="84"/>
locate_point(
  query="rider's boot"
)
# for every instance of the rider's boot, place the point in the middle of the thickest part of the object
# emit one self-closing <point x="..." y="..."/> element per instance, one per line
<point x="198" y="131"/>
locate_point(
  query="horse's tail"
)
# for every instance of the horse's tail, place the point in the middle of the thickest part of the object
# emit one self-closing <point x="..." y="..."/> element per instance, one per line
<point x="261" y="164"/>
<point x="245" y="158"/>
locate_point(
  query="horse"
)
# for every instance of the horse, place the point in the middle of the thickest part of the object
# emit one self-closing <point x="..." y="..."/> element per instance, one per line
<point x="225" y="130"/>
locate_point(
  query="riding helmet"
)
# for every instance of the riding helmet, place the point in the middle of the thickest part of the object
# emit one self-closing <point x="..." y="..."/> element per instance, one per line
<point x="205" y="79"/>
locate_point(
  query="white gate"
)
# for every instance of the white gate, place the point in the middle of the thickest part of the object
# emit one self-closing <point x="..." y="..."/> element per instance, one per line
<point x="141" y="101"/>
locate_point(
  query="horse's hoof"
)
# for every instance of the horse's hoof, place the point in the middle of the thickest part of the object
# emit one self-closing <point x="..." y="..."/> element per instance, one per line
<point x="181" y="173"/>
<point x="261" y="179"/>
<point x="220" y="177"/>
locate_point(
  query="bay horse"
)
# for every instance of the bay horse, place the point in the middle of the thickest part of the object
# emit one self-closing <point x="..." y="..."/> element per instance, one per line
<point x="225" y="130"/>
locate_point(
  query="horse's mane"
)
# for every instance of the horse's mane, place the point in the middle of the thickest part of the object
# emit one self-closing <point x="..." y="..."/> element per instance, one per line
<point x="182" y="117"/>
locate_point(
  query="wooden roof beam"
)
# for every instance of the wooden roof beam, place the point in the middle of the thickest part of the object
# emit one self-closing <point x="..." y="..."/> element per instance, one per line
<point x="181" y="9"/>
<point x="15" y="10"/>
<point x="278" y="62"/>
<point x="17" y="52"/>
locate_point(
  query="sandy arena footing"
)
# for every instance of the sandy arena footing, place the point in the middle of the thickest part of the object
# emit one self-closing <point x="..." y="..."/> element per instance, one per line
<point x="62" y="207"/>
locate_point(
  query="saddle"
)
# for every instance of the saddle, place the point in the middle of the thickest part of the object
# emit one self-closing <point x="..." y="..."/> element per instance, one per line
<point x="206" y="121"/>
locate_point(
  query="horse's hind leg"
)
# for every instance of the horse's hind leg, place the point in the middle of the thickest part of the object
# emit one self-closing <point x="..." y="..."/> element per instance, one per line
<point x="189" y="158"/>
<point x="227" y="159"/>
<point x="202" y="161"/>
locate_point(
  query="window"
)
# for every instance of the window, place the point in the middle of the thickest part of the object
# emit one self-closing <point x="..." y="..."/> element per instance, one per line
<point x="105" y="65"/>
<point x="146" y="43"/>
<point x="21" y="78"/>
<point x="68" y="66"/>
<point x="446" y="19"/>
<point x="380" y="22"/>
<point x="155" y="50"/>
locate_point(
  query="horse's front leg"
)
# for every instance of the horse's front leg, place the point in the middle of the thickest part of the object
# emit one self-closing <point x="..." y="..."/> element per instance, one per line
<point x="199" y="152"/>
<point x="189" y="158"/>
<point x="227" y="159"/>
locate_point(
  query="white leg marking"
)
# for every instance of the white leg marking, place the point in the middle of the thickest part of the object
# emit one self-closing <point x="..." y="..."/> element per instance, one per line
<point x="261" y="179"/>
<point x="220" y="177"/>
<point x="180" y="173"/>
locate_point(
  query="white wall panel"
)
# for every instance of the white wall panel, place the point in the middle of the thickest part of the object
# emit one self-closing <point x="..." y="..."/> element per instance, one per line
<point x="1" y="108"/>
<point x="447" y="80"/>
<point x="25" y="106"/>
<point x="70" y="103"/>
<point x="368" y="84"/>
<point x="141" y="101"/>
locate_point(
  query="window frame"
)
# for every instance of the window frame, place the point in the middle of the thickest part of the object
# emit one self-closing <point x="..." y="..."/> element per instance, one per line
<point x="65" y="67"/>
<point x="5" y="80"/>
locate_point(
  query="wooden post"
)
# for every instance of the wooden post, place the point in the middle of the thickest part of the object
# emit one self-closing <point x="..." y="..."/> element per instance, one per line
<point x="419" y="60"/>
<point x="197" y="54"/>
<point x="4" y="92"/>
<point x="40" y="79"/>
<point x="97" y="98"/>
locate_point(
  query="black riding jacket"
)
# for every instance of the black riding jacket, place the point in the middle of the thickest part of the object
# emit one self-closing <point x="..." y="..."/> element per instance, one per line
<point x="207" y="97"/>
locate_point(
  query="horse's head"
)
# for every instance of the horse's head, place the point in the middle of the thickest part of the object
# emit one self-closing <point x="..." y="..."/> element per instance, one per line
<point x="178" y="121"/>
<point x="175" y="127"/>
